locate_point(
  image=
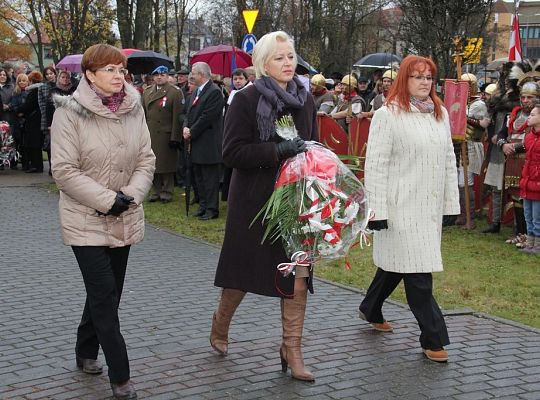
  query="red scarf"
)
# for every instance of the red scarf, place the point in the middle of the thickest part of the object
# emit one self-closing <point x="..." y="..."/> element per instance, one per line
<point x="349" y="96"/>
<point x="111" y="102"/>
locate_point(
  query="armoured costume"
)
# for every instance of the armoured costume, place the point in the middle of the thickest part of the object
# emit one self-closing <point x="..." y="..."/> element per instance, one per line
<point x="477" y="122"/>
<point x="324" y="100"/>
<point x="349" y="102"/>
<point x="512" y="135"/>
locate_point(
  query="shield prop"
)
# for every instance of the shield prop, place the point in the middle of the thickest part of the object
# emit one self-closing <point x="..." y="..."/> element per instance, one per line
<point x="358" y="132"/>
<point x="332" y="135"/>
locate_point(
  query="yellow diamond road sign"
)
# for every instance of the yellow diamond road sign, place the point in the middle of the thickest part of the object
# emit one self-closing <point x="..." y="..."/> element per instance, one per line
<point x="249" y="18"/>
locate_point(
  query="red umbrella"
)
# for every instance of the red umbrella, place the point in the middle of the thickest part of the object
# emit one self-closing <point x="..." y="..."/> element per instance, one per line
<point x="127" y="52"/>
<point x="223" y="58"/>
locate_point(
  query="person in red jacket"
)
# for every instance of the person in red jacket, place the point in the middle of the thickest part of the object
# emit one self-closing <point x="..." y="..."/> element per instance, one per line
<point x="529" y="184"/>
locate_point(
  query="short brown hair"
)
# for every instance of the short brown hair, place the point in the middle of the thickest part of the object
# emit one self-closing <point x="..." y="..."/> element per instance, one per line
<point x="100" y="55"/>
<point x="35" y="77"/>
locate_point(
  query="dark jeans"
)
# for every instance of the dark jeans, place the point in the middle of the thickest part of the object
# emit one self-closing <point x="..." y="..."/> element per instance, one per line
<point x="103" y="270"/>
<point x="419" y="292"/>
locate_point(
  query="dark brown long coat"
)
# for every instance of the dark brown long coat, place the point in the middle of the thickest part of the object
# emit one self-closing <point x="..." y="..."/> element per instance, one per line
<point x="244" y="263"/>
<point x="162" y="109"/>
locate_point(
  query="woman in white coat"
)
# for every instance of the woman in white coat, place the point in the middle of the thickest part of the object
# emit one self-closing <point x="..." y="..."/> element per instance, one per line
<point x="411" y="182"/>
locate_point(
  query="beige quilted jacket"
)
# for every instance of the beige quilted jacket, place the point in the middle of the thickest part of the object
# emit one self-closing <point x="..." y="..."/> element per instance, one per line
<point x="96" y="153"/>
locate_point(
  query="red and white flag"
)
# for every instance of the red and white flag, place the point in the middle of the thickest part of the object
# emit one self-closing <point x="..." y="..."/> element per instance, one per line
<point x="514" y="53"/>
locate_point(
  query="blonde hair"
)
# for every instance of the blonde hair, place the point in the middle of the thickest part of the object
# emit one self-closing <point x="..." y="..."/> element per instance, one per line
<point x="20" y="77"/>
<point x="265" y="48"/>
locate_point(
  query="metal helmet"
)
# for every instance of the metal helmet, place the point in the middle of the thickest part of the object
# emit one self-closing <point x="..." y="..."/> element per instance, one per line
<point x="469" y="77"/>
<point x="490" y="89"/>
<point x="390" y="74"/>
<point x="318" y="80"/>
<point x="472" y="83"/>
<point x="349" y="81"/>
<point x="530" y="88"/>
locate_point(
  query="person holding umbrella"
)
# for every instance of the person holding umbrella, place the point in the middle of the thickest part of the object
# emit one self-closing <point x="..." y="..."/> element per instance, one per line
<point x="255" y="151"/>
<point x="163" y="103"/>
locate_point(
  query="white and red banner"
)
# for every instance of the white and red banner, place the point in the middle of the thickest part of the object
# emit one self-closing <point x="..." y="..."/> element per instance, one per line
<point x="514" y="52"/>
<point x="456" y="95"/>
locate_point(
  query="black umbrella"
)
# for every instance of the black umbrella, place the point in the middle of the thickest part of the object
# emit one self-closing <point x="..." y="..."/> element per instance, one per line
<point x="303" y="67"/>
<point x="377" y="60"/>
<point x="144" y="62"/>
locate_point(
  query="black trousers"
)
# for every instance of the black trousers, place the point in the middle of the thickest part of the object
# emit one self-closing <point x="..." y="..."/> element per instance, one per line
<point x="103" y="270"/>
<point x="419" y="292"/>
<point x="207" y="178"/>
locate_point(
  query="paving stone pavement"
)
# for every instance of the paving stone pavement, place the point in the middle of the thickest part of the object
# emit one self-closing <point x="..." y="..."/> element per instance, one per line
<point x="166" y="312"/>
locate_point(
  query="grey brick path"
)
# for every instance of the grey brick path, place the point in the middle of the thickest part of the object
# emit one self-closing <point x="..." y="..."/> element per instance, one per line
<point x="166" y="312"/>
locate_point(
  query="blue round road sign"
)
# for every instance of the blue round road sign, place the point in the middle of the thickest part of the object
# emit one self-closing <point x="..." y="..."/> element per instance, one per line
<point x="248" y="43"/>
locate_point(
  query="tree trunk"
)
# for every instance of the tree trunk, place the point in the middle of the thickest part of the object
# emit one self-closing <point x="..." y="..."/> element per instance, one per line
<point x="157" y="25"/>
<point x="142" y="16"/>
<point x="124" y="18"/>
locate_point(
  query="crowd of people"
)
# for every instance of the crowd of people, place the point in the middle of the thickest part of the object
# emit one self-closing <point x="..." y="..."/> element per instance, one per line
<point x="111" y="138"/>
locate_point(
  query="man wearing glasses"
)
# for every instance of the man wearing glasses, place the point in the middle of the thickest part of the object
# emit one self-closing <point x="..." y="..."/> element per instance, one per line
<point x="163" y="103"/>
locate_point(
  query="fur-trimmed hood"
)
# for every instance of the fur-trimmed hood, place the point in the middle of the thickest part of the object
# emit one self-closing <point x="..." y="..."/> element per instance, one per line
<point x="85" y="102"/>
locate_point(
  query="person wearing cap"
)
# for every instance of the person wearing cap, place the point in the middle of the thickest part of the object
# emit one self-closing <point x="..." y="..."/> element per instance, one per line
<point x="182" y="80"/>
<point x="163" y="103"/>
<point x="350" y="103"/>
<point x="365" y="92"/>
<point x="172" y="76"/>
<point x="387" y="80"/>
<point x="324" y="100"/>
<point x="477" y="122"/>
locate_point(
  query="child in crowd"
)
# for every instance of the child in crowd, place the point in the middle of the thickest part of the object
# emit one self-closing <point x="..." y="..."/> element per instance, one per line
<point x="529" y="184"/>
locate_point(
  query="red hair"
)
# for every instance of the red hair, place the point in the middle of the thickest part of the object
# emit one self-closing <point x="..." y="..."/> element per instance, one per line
<point x="399" y="92"/>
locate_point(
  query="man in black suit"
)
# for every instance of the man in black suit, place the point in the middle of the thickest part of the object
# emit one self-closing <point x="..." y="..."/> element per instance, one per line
<point x="203" y="130"/>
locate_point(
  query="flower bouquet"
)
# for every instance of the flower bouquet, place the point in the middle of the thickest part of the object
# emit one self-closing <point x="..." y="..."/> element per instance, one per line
<point x="318" y="208"/>
<point x="8" y="151"/>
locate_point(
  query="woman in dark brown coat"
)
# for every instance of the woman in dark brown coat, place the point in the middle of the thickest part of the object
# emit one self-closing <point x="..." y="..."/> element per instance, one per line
<point x="253" y="149"/>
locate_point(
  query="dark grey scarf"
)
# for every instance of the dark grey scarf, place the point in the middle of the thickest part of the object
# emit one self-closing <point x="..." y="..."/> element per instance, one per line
<point x="273" y="100"/>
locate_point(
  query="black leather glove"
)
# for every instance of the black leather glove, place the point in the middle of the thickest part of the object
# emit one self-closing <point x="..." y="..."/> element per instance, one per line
<point x="290" y="148"/>
<point x="121" y="204"/>
<point x="378" y="225"/>
<point x="173" y="144"/>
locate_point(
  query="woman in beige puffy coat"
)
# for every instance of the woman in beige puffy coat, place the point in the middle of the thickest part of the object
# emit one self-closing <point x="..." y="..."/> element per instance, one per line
<point x="103" y="166"/>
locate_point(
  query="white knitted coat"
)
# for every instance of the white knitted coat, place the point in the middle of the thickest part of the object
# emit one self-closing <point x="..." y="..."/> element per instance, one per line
<point x="411" y="181"/>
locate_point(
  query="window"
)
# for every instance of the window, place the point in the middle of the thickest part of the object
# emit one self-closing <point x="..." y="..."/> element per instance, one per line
<point x="194" y="44"/>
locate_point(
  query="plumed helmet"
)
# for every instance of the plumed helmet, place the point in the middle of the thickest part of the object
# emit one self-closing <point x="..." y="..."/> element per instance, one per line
<point x="469" y="77"/>
<point x="490" y="89"/>
<point x="318" y="80"/>
<point x="390" y="74"/>
<point x="349" y="81"/>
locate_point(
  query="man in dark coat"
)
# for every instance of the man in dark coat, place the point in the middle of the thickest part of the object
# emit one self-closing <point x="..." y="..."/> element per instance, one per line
<point x="163" y="104"/>
<point x="203" y="130"/>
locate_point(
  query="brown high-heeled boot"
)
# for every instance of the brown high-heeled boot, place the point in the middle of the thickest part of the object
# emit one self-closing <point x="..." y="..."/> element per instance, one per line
<point x="219" y="337"/>
<point x="292" y="316"/>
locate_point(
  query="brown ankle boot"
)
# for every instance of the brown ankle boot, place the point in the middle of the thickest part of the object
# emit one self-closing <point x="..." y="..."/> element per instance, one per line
<point x="219" y="337"/>
<point x="292" y="316"/>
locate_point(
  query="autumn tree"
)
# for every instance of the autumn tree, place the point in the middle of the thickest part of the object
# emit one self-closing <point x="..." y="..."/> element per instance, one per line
<point x="429" y="27"/>
<point x="10" y="46"/>
<point x="75" y="25"/>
